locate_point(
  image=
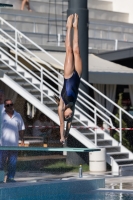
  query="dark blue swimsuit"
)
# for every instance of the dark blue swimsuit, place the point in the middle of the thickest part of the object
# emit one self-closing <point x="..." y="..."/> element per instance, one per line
<point x="69" y="91"/>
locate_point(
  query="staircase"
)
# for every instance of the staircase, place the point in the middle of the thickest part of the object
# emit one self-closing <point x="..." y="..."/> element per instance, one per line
<point x="29" y="80"/>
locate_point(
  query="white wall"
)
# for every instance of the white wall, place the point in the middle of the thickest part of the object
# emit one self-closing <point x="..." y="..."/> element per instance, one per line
<point x="125" y="6"/>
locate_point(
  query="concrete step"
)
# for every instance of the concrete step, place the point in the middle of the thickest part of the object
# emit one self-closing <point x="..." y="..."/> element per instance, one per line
<point x="111" y="35"/>
<point x="107" y="44"/>
<point x="36" y="4"/>
<point x="110" y="25"/>
<point x="91" y="3"/>
<point x="93" y="13"/>
<point x="108" y="15"/>
<point x="43" y="6"/>
<point x="26" y="16"/>
<point x="35" y="27"/>
<point x="104" y="5"/>
<point x="96" y="10"/>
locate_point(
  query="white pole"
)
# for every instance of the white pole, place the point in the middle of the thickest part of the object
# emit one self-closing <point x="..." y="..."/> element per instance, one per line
<point x="116" y="45"/>
<point x="59" y="39"/>
<point x="95" y="118"/>
<point x="120" y="126"/>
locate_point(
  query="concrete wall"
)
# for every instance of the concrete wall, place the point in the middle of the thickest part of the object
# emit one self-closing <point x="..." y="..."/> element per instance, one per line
<point x="51" y="190"/>
<point x="125" y="6"/>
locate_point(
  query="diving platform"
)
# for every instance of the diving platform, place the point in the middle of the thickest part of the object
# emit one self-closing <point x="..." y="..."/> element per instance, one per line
<point x="68" y="149"/>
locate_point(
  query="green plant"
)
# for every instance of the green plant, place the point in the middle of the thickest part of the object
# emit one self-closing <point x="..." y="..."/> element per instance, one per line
<point x="125" y="142"/>
<point x="62" y="167"/>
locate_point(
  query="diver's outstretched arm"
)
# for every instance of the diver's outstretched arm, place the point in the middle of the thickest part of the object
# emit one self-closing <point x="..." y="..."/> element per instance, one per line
<point x="61" y="118"/>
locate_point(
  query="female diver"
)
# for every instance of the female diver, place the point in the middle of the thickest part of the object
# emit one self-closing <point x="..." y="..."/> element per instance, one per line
<point x="72" y="75"/>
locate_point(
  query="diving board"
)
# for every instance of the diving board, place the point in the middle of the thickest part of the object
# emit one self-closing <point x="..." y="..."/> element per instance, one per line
<point x="47" y="149"/>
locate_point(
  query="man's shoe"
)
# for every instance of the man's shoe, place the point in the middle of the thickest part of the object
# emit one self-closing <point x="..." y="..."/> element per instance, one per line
<point x="10" y="180"/>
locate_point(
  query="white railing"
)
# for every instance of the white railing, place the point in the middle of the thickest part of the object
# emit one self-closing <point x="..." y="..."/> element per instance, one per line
<point x="87" y="106"/>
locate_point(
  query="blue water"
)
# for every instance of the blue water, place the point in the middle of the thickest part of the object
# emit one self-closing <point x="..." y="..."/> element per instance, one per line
<point x="88" y="196"/>
<point x="95" y="195"/>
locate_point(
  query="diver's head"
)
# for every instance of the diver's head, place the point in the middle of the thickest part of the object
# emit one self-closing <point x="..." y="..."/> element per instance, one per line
<point x="68" y="113"/>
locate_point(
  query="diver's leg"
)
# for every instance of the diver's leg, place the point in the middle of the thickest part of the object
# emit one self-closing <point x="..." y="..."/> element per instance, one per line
<point x="76" y="51"/>
<point x="69" y="62"/>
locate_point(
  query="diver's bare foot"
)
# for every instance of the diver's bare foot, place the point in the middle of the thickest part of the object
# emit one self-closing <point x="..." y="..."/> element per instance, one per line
<point x="69" y="21"/>
<point x="75" y="23"/>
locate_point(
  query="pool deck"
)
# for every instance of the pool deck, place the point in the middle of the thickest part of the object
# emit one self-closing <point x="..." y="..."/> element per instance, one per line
<point x="111" y="182"/>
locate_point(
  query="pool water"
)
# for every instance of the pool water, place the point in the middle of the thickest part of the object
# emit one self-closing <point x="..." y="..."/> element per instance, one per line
<point x="95" y="195"/>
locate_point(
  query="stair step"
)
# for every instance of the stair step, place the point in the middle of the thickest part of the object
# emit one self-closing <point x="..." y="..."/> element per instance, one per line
<point x="124" y="161"/>
<point x="4" y="67"/>
<point x="12" y="73"/>
<point x="51" y="105"/>
<point x="33" y="91"/>
<point x="20" y="80"/>
<point x="6" y="61"/>
<point x="103" y="142"/>
<point x="77" y="123"/>
<point x="85" y="131"/>
<point x="126" y="170"/>
<point x="78" y="116"/>
<point x="126" y="165"/>
<point x="119" y="155"/>
<point x="45" y="99"/>
<point x="29" y="86"/>
<point x="111" y="148"/>
<point x="55" y="110"/>
<point x="92" y="135"/>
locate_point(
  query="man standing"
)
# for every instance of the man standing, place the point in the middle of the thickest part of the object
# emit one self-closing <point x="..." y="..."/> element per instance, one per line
<point x="12" y="128"/>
